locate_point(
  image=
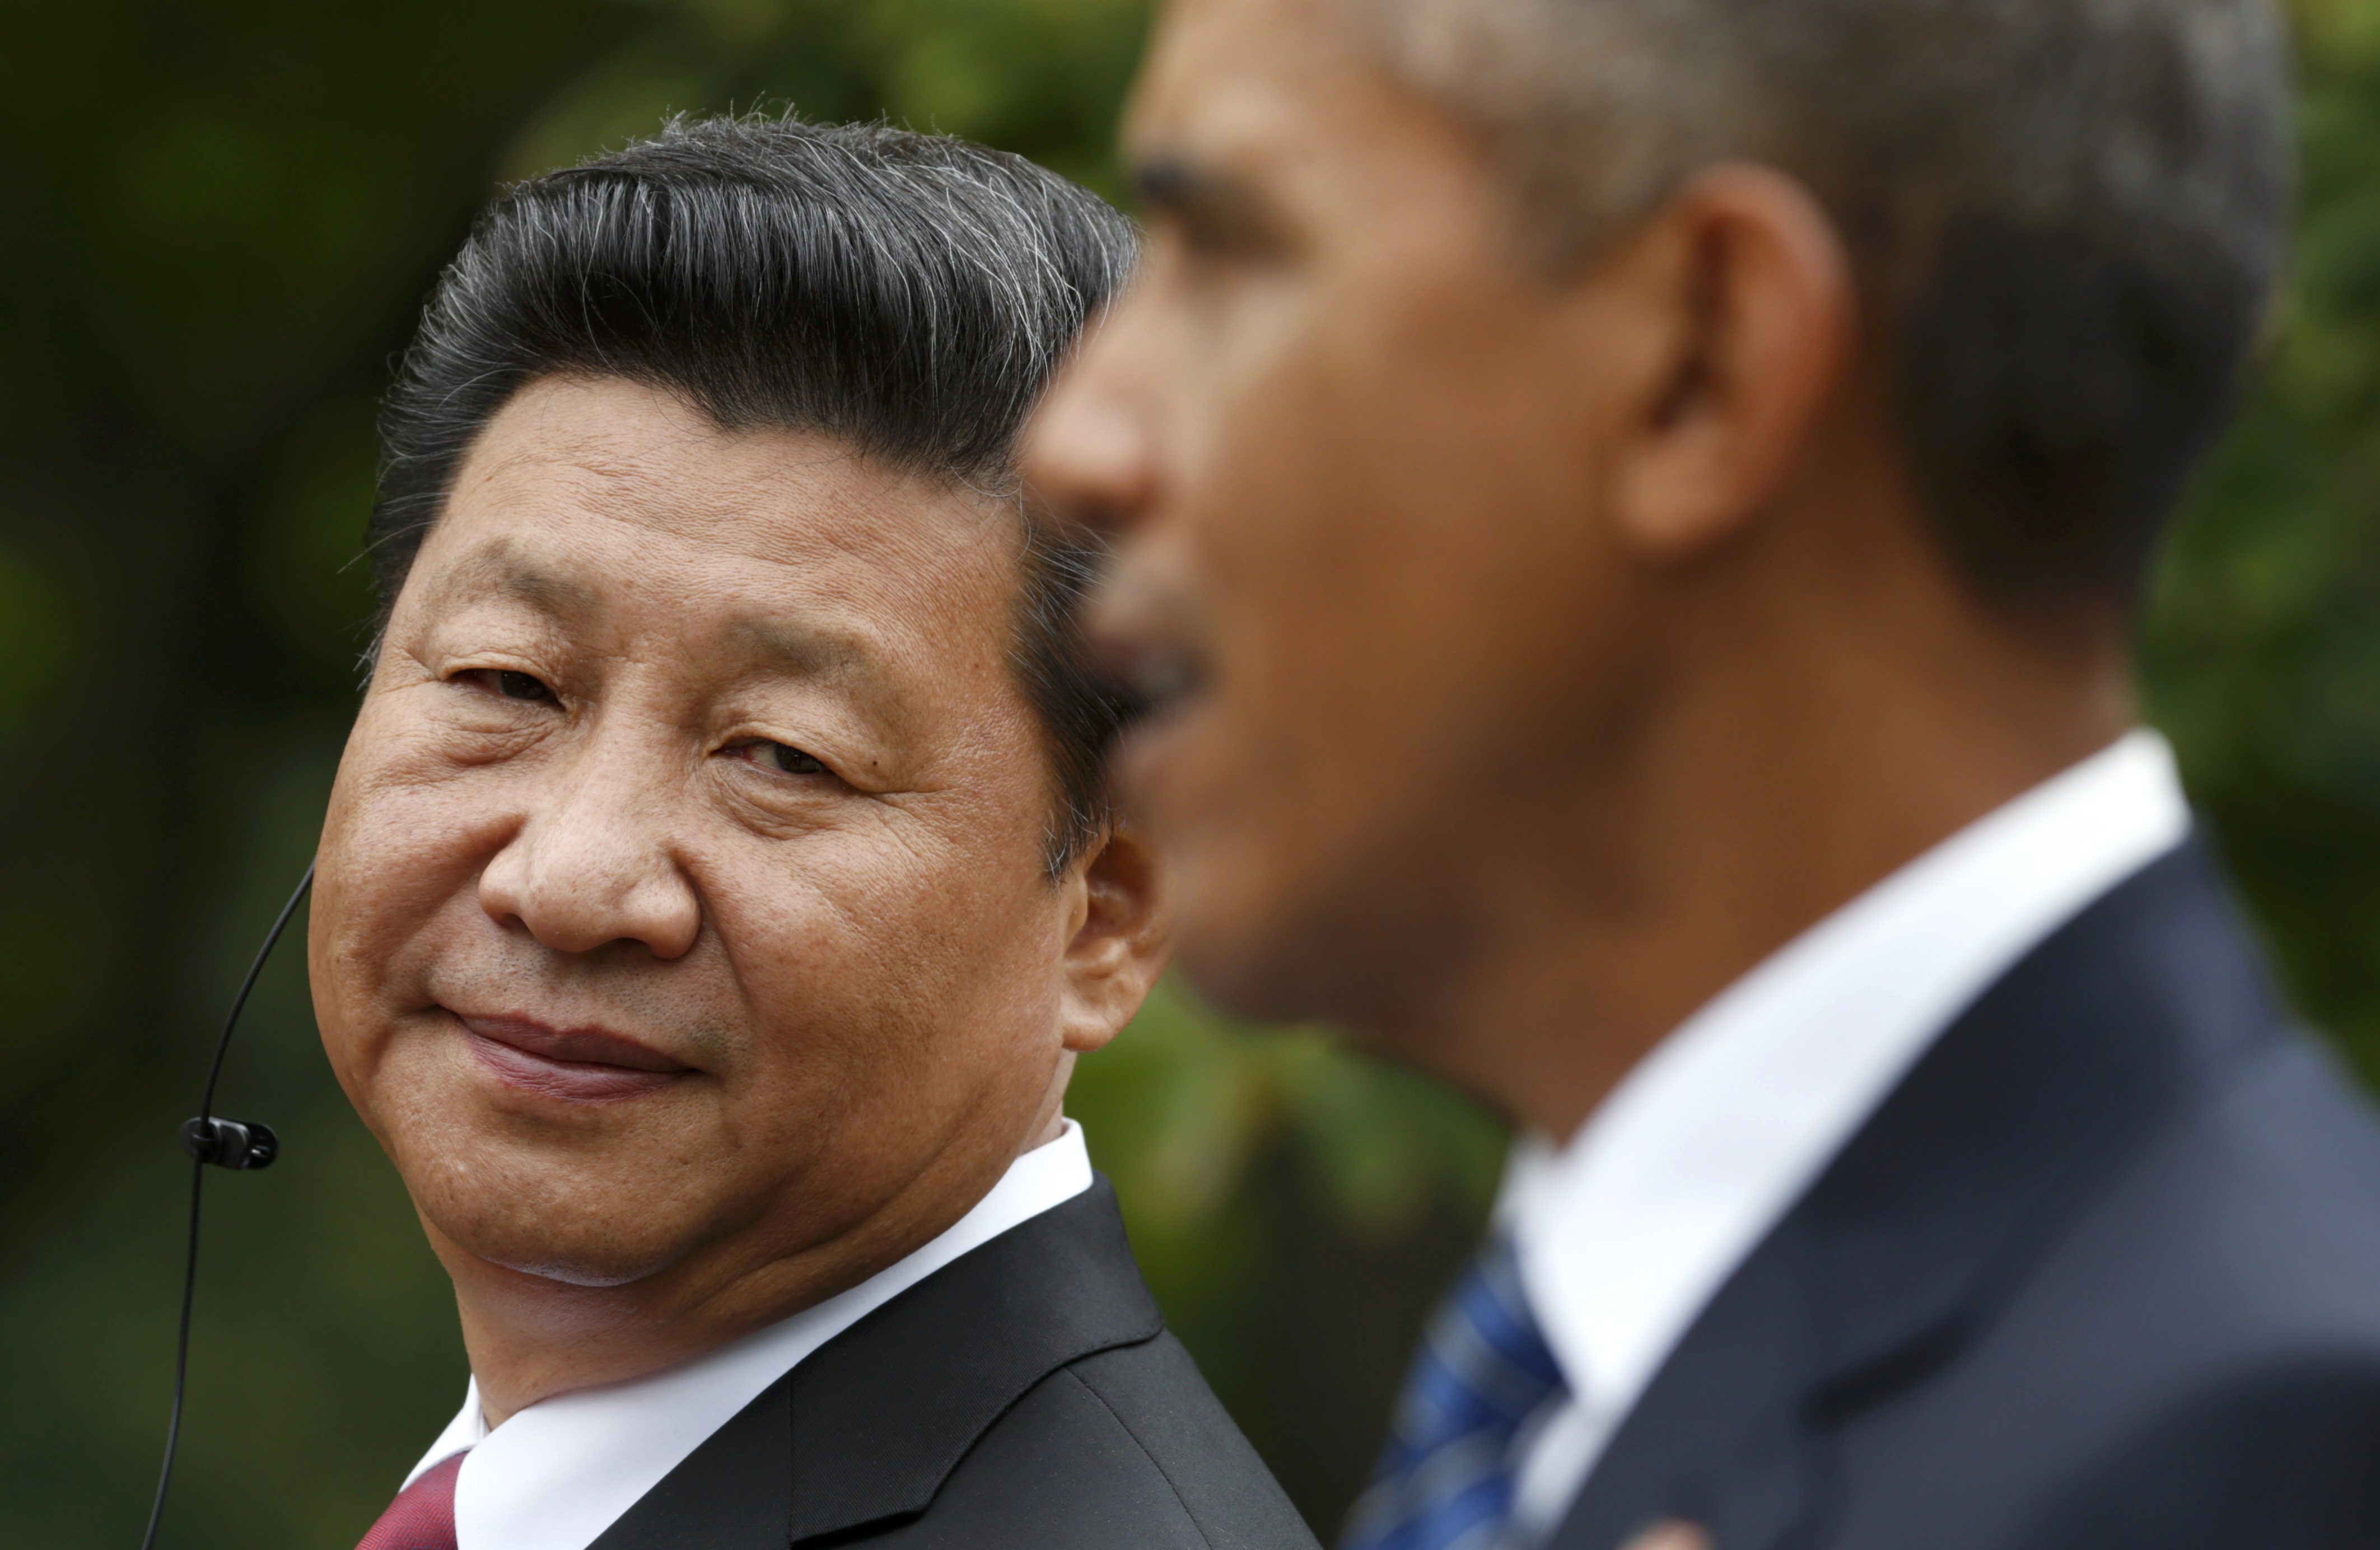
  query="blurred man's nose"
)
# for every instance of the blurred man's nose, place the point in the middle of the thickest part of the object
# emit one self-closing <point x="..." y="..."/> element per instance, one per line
<point x="1086" y="454"/>
<point x="592" y="863"/>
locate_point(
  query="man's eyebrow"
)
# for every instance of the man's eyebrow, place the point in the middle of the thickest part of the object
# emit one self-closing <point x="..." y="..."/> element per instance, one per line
<point x="503" y="571"/>
<point x="804" y="648"/>
<point x="1171" y="186"/>
<point x="858" y="667"/>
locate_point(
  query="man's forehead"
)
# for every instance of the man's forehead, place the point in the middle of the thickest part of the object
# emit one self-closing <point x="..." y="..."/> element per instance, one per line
<point x="634" y="484"/>
<point x="1289" y="107"/>
<point x="607" y="447"/>
<point x="1236" y="78"/>
<point x="895" y="593"/>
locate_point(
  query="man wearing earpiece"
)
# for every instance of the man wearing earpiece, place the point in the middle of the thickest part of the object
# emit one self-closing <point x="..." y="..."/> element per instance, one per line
<point x="717" y="889"/>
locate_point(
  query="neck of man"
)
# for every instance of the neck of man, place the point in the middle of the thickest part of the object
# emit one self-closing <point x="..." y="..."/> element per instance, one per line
<point x="1827" y="711"/>
<point x="533" y="1335"/>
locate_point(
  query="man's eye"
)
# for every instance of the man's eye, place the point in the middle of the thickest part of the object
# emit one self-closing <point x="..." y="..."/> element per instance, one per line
<point x="520" y="685"/>
<point x="783" y="756"/>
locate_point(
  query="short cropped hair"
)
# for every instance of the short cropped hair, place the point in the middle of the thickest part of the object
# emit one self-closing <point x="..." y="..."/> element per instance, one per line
<point x="2067" y="216"/>
<point x="907" y="294"/>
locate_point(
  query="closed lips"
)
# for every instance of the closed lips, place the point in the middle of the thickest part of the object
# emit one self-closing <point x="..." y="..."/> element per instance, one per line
<point x="581" y="1065"/>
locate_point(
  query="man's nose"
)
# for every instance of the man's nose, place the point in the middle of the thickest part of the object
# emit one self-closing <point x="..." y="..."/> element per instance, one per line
<point x="592" y="864"/>
<point x="1087" y="456"/>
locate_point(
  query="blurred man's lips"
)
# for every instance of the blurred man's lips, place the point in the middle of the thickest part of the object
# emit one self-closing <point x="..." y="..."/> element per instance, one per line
<point x="584" y="1065"/>
<point x="1168" y="676"/>
<point x="1156" y="676"/>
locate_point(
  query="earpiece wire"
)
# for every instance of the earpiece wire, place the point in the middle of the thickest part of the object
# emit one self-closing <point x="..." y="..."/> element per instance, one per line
<point x="198" y="1187"/>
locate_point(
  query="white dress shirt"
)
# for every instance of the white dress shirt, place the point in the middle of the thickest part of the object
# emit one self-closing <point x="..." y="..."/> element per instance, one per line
<point x="1626" y="1231"/>
<point x="556" y="1474"/>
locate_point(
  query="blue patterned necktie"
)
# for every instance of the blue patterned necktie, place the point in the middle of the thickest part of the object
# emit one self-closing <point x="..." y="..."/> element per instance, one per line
<point x="1445" y="1481"/>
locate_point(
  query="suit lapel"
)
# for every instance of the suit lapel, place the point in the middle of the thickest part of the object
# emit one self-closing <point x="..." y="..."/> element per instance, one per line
<point x="882" y="1415"/>
<point x="730" y="1493"/>
<point x="1895" y="1255"/>
<point x="1718" y="1414"/>
<point x="868" y="1426"/>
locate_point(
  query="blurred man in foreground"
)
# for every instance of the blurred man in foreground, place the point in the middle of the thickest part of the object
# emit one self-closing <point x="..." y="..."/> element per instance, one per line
<point x="1629" y="514"/>
<point x="717" y="889"/>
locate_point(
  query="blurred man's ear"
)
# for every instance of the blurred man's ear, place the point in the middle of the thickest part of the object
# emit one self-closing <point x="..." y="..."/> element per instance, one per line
<point x="1742" y="314"/>
<point x="1121" y="938"/>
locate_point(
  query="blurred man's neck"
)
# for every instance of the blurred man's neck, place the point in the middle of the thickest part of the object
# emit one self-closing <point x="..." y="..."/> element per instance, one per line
<point x="1821" y="726"/>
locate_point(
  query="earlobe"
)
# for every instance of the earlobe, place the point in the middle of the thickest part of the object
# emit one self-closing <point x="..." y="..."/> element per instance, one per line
<point x="1122" y="942"/>
<point x="1759" y="311"/>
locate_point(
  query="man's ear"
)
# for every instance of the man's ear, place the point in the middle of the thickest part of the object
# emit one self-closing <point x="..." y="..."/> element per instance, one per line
<point x="1123" y="935"/>
<point x="1746" y="317"/>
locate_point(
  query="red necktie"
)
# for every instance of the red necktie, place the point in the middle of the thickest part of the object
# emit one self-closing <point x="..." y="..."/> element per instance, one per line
<point x="422" y="1517"/>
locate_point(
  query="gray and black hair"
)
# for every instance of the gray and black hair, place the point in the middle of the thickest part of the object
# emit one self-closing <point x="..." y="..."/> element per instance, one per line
<point x="2068" y="215"/>
<point x="909" y="294"/>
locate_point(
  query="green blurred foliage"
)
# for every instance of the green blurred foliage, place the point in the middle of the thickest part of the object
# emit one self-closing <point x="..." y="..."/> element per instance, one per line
<point x="224" y="214"/>
<point x="2263" y="648"/>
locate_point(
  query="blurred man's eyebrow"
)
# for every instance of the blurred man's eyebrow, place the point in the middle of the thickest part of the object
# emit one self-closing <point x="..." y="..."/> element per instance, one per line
<point x="1167" y="181"/>
<point x="1175" y="187"/>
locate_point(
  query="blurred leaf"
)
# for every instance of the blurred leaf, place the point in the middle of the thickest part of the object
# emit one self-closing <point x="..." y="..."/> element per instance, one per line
<point x="630" y="94"/>
<point x="36" y="636"/>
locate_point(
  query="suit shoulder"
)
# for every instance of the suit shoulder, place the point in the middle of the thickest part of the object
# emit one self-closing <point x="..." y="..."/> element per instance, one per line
<point x="2195" y="1348"/>
<point x="2245" y="1241"/>
<point x="1157" y="1396"/>
<point x="2211" y="1304"/>
<point x="1106" y="1452"/>
<point x="2261" y="1208"/>
<point x="2277" y="1454"/>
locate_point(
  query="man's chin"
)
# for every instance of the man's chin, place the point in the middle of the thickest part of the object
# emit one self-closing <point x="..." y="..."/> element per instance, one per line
<point x="579" y="1260"/>
<point x="574" y="1233"/>
<point x="1359" y="948"/>
<point x="1246" y="955"/>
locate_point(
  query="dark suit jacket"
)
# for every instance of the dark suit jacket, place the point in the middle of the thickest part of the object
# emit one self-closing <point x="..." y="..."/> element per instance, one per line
<point x="1025" y="1395"/>
<point x="2102" y="1274"/>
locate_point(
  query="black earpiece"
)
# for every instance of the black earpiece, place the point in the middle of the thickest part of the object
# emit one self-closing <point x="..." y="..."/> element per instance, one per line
<point x="241" y="1144"/>
<point x="235" y="1144"/>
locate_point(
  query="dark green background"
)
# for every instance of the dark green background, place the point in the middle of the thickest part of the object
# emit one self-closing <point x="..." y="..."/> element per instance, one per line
<point x="220" y="217"/>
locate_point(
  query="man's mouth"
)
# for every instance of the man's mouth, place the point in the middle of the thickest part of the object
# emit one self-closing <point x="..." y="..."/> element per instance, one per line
<point x="1152" y="677"/>
<point x="1140" y="629"/>
<point x="579" y="1065"/>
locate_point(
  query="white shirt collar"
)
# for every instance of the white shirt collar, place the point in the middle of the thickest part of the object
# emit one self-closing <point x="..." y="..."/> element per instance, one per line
<point x="556" y="1474"/>
<point x="1629" y="1229"/>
